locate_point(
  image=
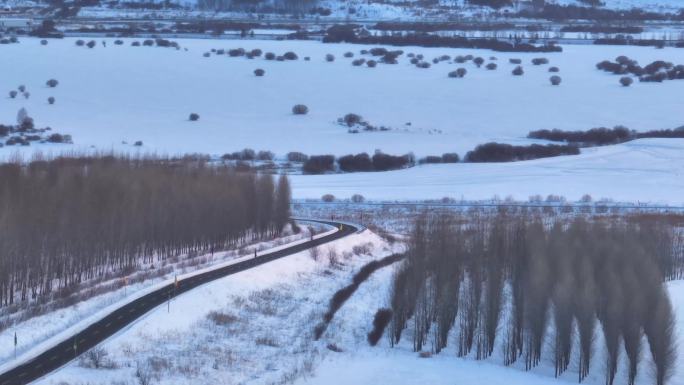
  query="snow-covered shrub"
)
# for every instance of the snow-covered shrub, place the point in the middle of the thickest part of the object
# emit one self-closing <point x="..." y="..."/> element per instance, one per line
<point x="22" y="88"/>
<point x="626" y="81"/>
<point x="137" y="44"/>
<point x="540" y="60"/>
<point x="555" y="80"/>
<point x="52" y="83"/>
<point x="91" y="44"/>
<point x="348" y="54"/>
<point x="358" y="62"/>
<point x="26" y="95"/>
<point x="148" y="42"/>
<point x="259" y="72"/>
<point x="269" y="56"/>
<point x="80" y="43"/>
<point x="458" y="73"/>
<point x="515" y="61"/>
<point x="290" y="55"/>
<point x="423" y="65"/>
<point x="330" y="57"/>
<point x="478" y="61"/>
<point x="13" y="94"/>
<point x="256" y="52"/>
<point x="300" y="109"/>
<point x="371" y="63"/>
<point x="518" y="71"/>
<point x="43" y="42"/>
<point x="491" y="66"/>
<point x="235" y="52"/>
<point x="194" y="117"/>
<point x="118" y="42"/>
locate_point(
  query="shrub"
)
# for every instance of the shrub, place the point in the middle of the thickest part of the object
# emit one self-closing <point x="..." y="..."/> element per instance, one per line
<point x="378" y="51"/>
<point x="355" y="163"/>
<point x="518" y="71"/>
<point x="80" y="43"/>
<point x="91" y="44"/>
<point x="499" y="152"/>
<point x="59" y="138"/>
<point x="430" y="159"/>
<point x="540" y="60"/>
<point x="51" y="100"/>
<point x="138" y="143"/>
<point x="52" y="83"/>
<point x="555" y="80"/>
<point x="269" y="56"/>
<point x="348" y="54"/>
<point x="371" y="63"/>
<point x="137" y="44"/>
<point x="626" y="81"/>
<point x="194" y="117"/>
<point x="515" y="61"/>
<point x="118" y="42"/>
<point x="236" y="52"/>
<point x="290" y="56"/>
<point x="206" y="54"/>
<point x="380" y="321"/>
<point x="554" y="69"/>
<point x="357" y="198"/>
<point x="43" y="42"/>
<point x="280" y="58"/>
<point x="491" y="66"/>
<point x="328" y="198"/>
<point x="330" y="57"/>
<point x="26" y="95"/>
<point x="295" y="156"/>
<point x="300" y="109"/>
<point x="478" y="61"/>
<point x="22" y="88"/>
<point x="13" y="94"/>
<point x="259" y="72"/>
<point x="358" y="62"/>
<point x="352" y="119"/>
<point x="256" y="52"/>
<point x="148" y="43"/>
<point x="306" y="58"/>
<point x="318" y="164"/>
<point x="458" y="73"/>
<point x="385" y="162"/>
<point x="460" y="59"/>
<point x="450" y="157"/>
<point x="423" y="65"/>
<point x="594" y="137"/>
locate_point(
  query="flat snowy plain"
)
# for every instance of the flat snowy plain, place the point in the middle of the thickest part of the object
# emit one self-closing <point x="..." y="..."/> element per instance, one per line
<point x="109" y="97"/>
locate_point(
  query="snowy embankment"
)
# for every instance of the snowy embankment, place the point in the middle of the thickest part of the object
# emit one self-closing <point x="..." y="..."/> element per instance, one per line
<point x="252" y="327"/>
<point x="36" y="333"/>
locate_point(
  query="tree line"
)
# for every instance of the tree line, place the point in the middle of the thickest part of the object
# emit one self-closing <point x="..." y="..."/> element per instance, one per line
<point x="67" y="220"/>
<point x="518" y="284"/>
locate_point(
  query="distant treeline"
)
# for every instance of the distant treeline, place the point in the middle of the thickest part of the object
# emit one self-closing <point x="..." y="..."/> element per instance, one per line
<point x="505" y="282"/>
<point x="600" y="28"/>
<point x="348" y="34"/>
<point x="602" y="136"/>
<point x="501" y="152"/>
<point x="318" y="164"/>
<point x="573" y="12"/>
<point x="68" y="220"/>
<point x="449" y="26"/>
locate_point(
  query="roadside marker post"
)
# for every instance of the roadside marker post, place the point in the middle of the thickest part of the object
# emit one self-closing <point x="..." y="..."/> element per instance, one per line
<point x="15" y="344"/>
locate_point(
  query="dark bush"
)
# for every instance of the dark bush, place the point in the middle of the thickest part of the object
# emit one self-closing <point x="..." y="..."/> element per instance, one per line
<point x="300" y="109"/>
<point x="295" y="156"/>
<point x="59" y="138"/>
<point x="259" y="72"/>
<point x="206" y="54"/>
<point x="80" y="43"/>
<point x="348" y="54"/>
<point x="43" y="42"/>
<point x="500" y="152"/>
<point x="265" y="155"/>
<point x="269" y="56"/>
<point x="330" y="57"/>
<point x="148" y="42"/>
<point x="515" y="61"/>
<point x="385" y="162"/>
<point x="626" y="81"/>
<point x="595" y="137"/>
<point x="460" y="59"/>
<point x="380" y="321"/>
<point x="430" y="159"/>
<point x="540" y="60"/>
<point x="355" y="163"/>
<point x="137" y="44"/>
<point x="458" y="73"/>
<point x="357" y="198"/>
<point x="371" y="63"/>
<point x="423" y="65"/>
<point x="290" y="56"/>
<point x="255" y="52"/>
<point x="91" y="44"/>
<point x="194" y="117"/>
<point x="13" y="94"/>
<point x="450" y="157"/>
<point x="378" y="51"/>
<point x="358" y="62"/>
<point x="352" y="119"/>
<point x="138" y="143"/>
<point x="478" y="61"/>
<point x="52" y="83"/>
<point x="319" y="164"/>
<point x="236" y="52"/>
<point x="328" y="198"/>
<point x="555" y="80"/>
<point x="491" y="66"/>
<point x="518" y="71"/>
<point x="51" y="100"/>
<point x="118" y="42"/>
<point x="554" y="69"/>
<point x="22" y="88"/>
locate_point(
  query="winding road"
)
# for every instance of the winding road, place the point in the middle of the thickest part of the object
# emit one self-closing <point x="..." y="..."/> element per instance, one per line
<point x="75" y="345"/>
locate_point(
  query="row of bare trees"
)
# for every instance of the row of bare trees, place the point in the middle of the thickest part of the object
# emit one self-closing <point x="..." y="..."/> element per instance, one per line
<point x="513" y="283"/>
<point x="68" y="220"/>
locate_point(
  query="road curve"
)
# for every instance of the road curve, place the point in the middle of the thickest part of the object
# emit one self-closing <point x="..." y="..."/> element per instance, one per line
<point x="77" y="344"/>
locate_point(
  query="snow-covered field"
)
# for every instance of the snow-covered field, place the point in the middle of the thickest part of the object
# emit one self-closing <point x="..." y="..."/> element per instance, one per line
<point x="114" y="94"/>
<point x="646" y="171"/>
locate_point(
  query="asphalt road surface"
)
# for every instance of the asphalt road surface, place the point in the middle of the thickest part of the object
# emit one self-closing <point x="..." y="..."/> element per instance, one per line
<point x="77" y="344"/>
